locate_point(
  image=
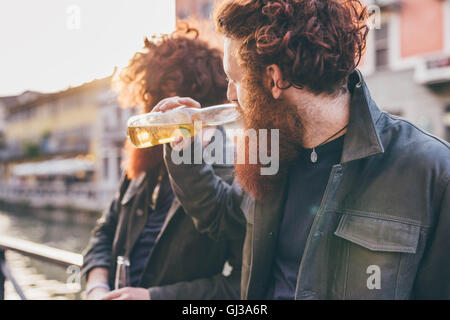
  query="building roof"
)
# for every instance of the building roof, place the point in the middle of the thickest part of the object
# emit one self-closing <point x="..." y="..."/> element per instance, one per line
<point x="38" y="98"/>
<point x="53" y="167"/>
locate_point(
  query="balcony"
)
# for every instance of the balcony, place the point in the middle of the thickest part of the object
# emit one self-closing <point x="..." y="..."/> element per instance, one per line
<point x="64" y="145"/>
<point x="433" y="71"/>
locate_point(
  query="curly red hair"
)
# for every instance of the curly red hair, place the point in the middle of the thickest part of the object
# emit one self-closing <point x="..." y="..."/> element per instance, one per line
<point x="176" y="64"/>
<point x="173" y="64"/>
<point x="316" y="43"/>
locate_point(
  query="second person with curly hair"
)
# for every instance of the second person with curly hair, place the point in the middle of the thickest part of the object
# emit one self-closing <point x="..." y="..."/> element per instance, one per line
<point x="169" y="258"/>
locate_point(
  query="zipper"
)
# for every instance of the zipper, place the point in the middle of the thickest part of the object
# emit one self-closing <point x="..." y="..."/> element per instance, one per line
<point x="155" y="194"/>
<point x="316" y="218"/>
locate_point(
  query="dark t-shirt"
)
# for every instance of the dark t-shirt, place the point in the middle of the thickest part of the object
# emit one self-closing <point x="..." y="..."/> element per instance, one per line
<point x="155" y="220"/>
<point x="306" y="185"/>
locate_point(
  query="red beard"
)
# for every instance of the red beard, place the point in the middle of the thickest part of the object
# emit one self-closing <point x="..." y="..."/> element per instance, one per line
<point x="262" y="111"/>
<point x="149" y="160"/>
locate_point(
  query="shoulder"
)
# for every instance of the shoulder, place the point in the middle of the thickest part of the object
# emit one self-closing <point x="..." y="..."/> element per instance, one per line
<point x="414" y="146"/>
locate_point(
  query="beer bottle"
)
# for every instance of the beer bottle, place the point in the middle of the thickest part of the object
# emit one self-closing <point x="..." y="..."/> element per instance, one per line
<point x="122" y="279"/>
<point x="155" y="128"/>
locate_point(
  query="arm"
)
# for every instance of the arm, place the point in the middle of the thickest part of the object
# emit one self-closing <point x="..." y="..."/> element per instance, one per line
<point x="98" y="251"/>
<point x="217" y="287"/>
<point x="433" y="277"/>
<point x="97" y="275"/>
<point x="212" y="203"/>
<point x="97" y="255"/>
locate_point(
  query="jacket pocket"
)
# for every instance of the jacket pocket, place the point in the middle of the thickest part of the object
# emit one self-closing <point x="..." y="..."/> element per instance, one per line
<point x="374" y="257"/>
<point x="379" y="234"/>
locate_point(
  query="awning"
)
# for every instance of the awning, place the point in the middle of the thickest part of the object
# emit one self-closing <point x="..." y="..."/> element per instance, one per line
<point x="53" y="167"/>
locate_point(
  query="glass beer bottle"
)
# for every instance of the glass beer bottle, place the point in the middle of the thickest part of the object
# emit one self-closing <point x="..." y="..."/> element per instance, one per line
<point x="155" y="128"/>
<point x="122" y="279"/>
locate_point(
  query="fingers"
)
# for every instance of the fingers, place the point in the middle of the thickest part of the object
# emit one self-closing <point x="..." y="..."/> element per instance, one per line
<point x="180" y="143"/>
<point x="114" y="294"/>
<point x="190" y="103"/>
<point x="174" y="102"/>
<point x="162" y="102"/>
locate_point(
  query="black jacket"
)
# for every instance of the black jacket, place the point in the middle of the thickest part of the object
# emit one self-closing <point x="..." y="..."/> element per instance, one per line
<point x="385" y="214"/>
<point x="184" y="264"/>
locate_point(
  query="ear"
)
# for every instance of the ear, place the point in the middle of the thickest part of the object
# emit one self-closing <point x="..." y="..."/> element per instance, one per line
<point x="274" y="80"/>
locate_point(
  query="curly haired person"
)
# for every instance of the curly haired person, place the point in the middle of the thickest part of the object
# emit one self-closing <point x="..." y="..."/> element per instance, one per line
<point x="169" y="259"/>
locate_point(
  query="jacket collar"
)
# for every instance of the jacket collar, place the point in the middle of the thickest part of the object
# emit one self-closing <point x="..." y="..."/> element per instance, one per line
<point x="133" y="188"/>
<point x="362" y="139"/>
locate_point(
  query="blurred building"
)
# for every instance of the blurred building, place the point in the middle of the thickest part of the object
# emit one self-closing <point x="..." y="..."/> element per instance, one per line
<point x="63" y="148"/>
<point x="407" y="62"/>
<point x="5" y="104"/>
<point x="198" y="9"/>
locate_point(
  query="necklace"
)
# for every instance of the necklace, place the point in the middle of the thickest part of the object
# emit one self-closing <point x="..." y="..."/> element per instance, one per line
<point x="314" y="153"/>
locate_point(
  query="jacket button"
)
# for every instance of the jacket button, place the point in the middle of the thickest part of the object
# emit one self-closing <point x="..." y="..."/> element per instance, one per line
<point x="140" y="212"/>
<point x="318" y="234"/>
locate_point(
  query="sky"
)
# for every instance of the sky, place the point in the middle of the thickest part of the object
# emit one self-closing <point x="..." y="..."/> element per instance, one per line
<point x="49" y="45"/>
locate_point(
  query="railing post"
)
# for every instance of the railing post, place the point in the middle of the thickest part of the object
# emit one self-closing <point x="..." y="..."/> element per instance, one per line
<point x="6" y="274"/>
<point x="2" y="276"/>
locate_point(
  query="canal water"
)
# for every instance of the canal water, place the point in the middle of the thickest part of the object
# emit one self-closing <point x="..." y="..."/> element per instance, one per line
<point x="63" y="229"/>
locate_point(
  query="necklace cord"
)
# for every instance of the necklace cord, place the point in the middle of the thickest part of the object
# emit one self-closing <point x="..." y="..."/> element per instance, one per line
<point x="313" y="155"/>
<point x="334" y="135"/>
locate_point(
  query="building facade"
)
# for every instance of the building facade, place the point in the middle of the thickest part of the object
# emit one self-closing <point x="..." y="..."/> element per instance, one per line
<point x="198" y="9"/>
<point x="64" y="148"/>
<point x="70" y="143"/>
<point x="407" y="61"/>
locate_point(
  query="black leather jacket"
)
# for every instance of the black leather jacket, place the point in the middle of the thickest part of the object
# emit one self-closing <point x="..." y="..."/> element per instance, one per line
<point x="183" y="264"/>
<point x="382" y="230"/>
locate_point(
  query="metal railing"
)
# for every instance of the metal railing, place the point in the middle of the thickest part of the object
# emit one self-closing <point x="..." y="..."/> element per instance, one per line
<point x="41" y="252"/>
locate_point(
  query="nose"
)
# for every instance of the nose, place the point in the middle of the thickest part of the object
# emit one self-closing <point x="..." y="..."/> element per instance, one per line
<point x="231" y="92"/>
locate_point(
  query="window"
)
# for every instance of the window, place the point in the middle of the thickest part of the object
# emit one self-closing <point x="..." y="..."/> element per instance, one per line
<point x="382" y="47"/>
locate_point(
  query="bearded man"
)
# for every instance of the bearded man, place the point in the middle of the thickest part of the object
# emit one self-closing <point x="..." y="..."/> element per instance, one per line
<point x="360" y="208"/>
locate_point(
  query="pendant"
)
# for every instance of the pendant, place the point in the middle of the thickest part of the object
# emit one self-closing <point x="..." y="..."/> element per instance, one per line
<point x="313" y="156"/>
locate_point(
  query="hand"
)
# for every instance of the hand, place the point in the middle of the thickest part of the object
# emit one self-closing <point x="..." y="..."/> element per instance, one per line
<point x="171" y="103"/>
<point x="97" y="294"/>
<point x="175" y="102"/>
<point x="128" y="293"/>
